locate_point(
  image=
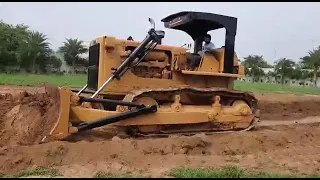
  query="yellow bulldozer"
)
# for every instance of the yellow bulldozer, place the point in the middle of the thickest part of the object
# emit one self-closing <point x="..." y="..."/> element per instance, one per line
<point x="145" y="88"/>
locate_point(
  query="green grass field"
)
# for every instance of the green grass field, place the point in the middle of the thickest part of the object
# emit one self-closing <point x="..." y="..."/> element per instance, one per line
<point x="227" y="171"/>
<point x="72" y="81"/>
<point x="275" y="88"/>
<point x="77" y="81"/>
<point x="231" y="172"/>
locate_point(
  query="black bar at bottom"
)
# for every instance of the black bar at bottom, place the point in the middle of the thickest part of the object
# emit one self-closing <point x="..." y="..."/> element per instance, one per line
<point x="112" y="119"/>
<point x="110" y="101"/>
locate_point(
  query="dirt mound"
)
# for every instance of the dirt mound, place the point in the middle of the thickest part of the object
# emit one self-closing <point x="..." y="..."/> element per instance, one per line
<point x="26" y="118"/>
<point x="287" y="107"/>
<point x="288" y="111"/>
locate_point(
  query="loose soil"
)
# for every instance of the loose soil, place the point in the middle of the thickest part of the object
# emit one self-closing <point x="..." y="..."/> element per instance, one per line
<point x="287" y="148"/>
<point x="26" y="118"/>
<point x="287" y="106"/>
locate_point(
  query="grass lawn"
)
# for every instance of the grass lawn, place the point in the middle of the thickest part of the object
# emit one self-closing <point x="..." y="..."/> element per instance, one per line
<point x="73" y="81"/>
<point x="227" y="171"/>
<point x="38" y="171"/>
<point x="77" y="81"/>
<point x="231" y="172"/>
<point x="275" y="88"/>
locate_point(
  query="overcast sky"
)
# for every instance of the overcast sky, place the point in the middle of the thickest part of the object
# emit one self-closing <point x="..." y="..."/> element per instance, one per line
<point x="273" y="30"/>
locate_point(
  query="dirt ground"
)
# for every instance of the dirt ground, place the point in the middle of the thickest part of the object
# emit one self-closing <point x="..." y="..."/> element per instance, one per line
<point x="291" y="147"/>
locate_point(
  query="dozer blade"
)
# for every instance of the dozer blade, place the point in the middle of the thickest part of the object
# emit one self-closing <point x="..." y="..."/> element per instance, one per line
<point x="60" y="129"/>
<point x="76" y="114"/>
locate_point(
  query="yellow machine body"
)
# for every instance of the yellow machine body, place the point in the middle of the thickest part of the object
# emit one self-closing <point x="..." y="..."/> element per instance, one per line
<point x="148" y="74"/>
<point x="187" y="101"/>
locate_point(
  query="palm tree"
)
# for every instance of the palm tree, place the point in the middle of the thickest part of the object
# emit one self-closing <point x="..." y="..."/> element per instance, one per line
<point x="312" y="61"/>
<point x="71" y="50"/>
<point x="255" y="60"/>
<point x="284" y="68"/>
<point x="36" y="46"/>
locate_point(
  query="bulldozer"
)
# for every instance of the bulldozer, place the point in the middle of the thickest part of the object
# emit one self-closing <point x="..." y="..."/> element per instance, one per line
<point x="146" y="89"/>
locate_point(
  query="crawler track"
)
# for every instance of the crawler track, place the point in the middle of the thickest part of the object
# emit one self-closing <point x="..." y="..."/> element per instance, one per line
<point x="196" y="99"/>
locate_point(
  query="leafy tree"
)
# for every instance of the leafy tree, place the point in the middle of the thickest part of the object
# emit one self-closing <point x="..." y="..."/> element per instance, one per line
<point x="71" y="50"/>
<point x="30" y="50"/>
<point x="312" y="61"/>
<point x="256" y="73"/>
<point x="255" y="60"/>
<point x="84" y="62"/>
<point x="11" y="39"/>
<point x="55" y="62"/>
<point x="253" y="66"/>
<point x="299" y="74"/>
<point x="34" y="51"/>
<point x="48" y="60"/>
<point x="26" y="49"/>
<point x="284" y="68"/>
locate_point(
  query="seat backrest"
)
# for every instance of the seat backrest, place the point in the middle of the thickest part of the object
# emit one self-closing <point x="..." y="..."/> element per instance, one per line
<point x="219" y="55"/>
<point x="209" y="63"/>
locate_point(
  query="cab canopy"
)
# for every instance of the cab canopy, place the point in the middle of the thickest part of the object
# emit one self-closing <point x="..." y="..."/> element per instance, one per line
<point x="197" y="25"/>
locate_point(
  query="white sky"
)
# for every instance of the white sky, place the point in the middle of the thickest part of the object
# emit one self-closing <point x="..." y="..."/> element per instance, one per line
<point x="274" y="30"/>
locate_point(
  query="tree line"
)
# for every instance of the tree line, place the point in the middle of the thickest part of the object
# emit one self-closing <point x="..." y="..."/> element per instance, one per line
<point x="30" y="50"/>
<point x="285" y="68"/>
